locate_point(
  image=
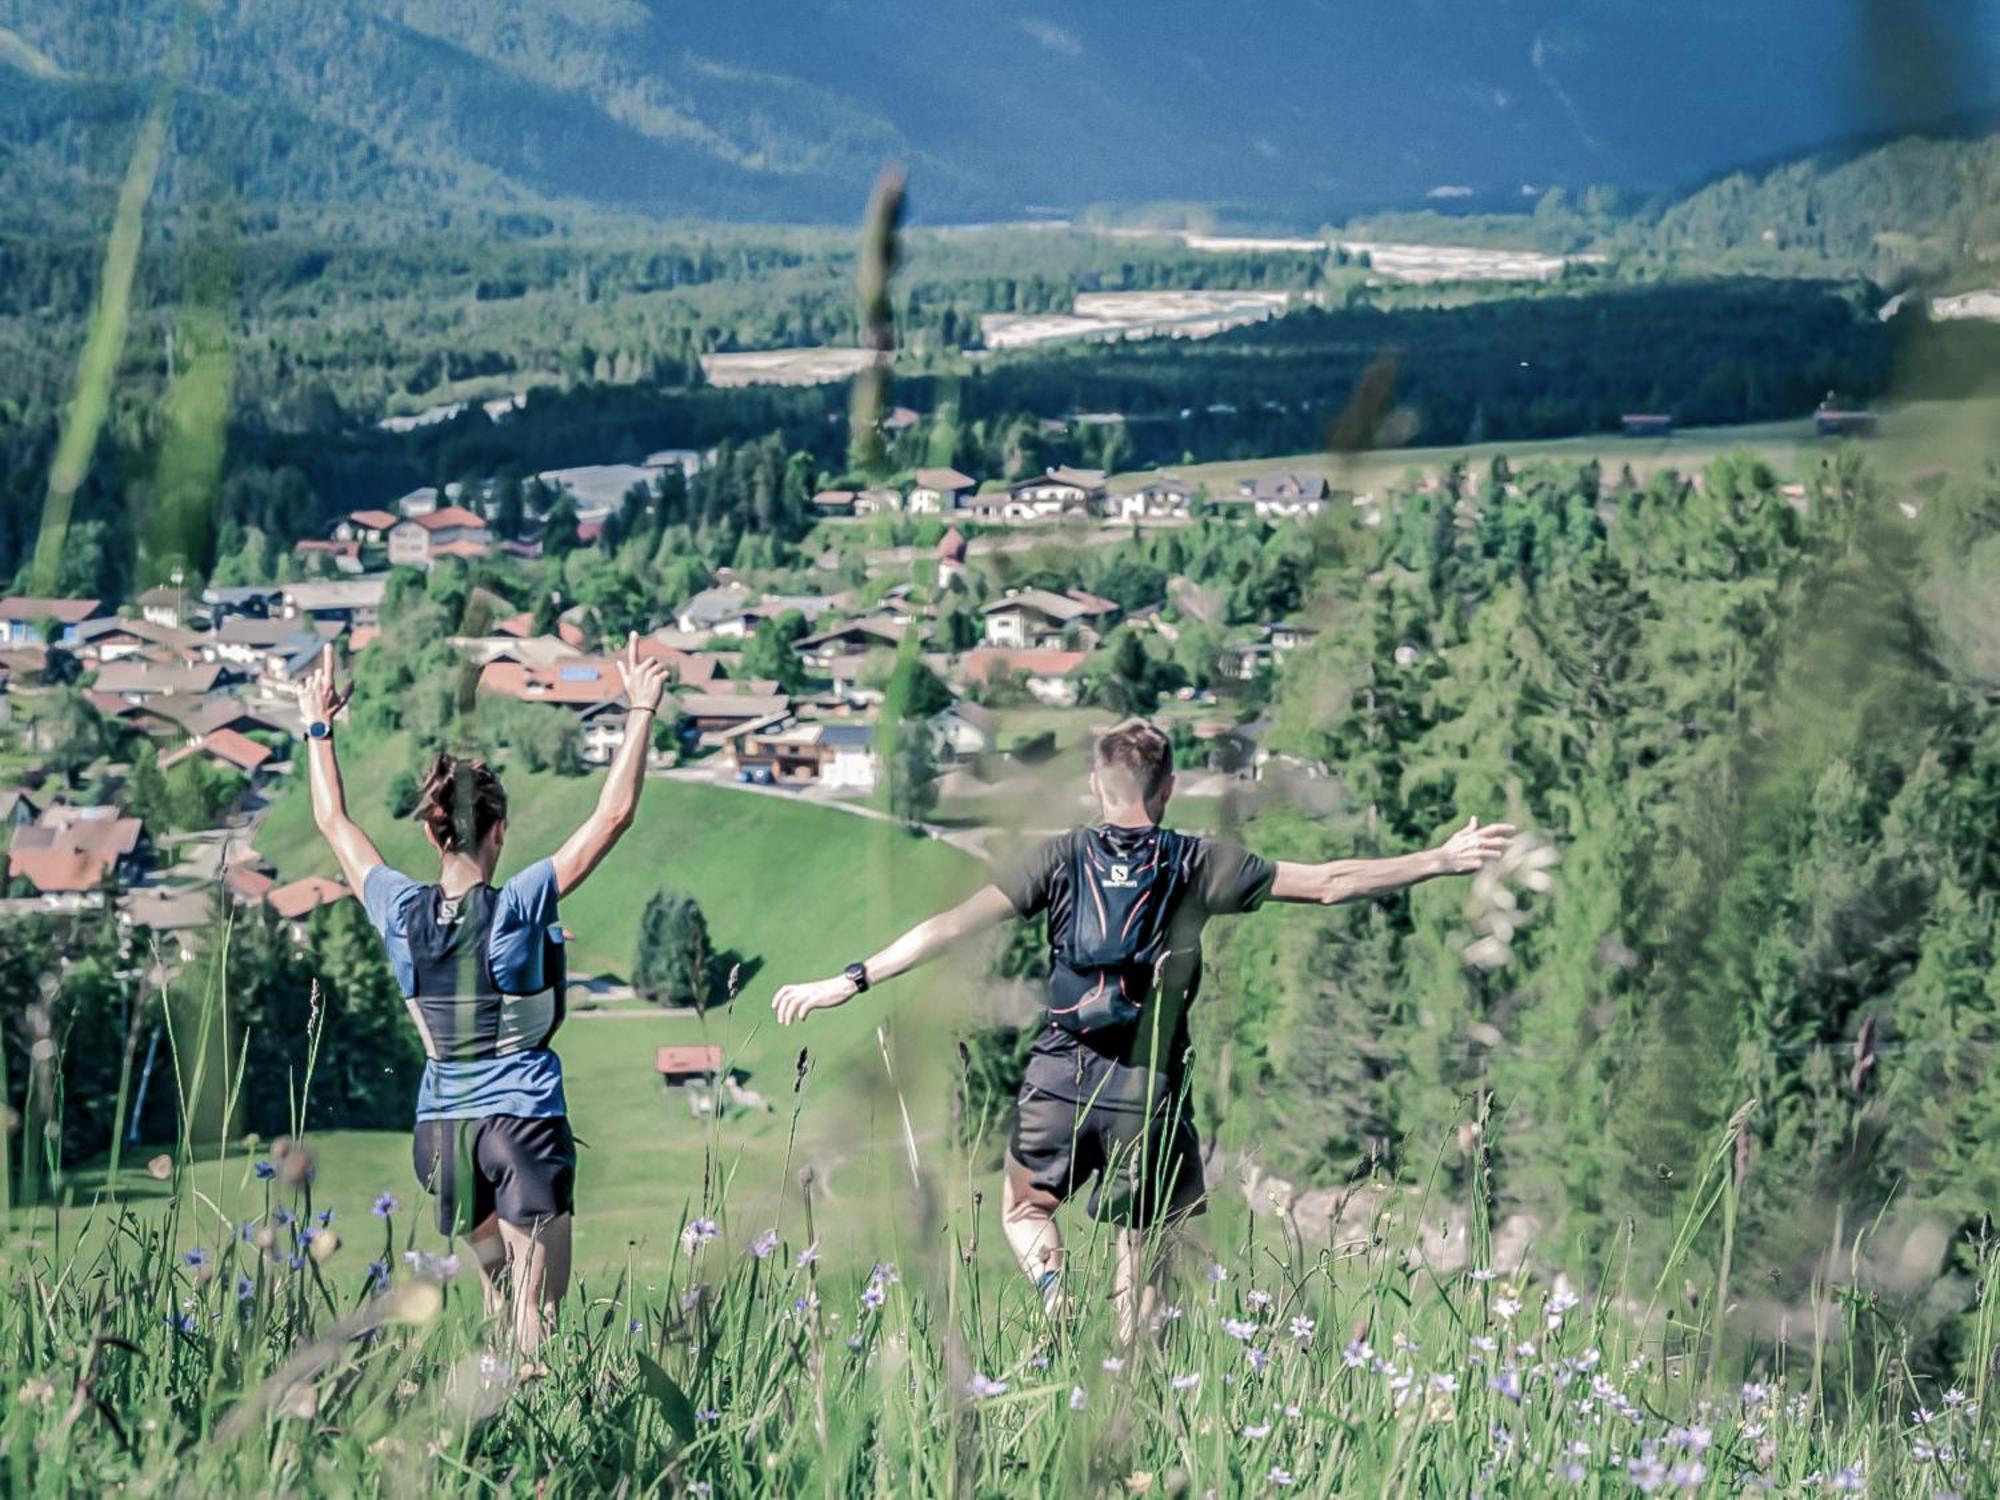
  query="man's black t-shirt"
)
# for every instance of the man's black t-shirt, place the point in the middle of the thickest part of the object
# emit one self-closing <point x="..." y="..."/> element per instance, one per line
<point x="1128" y="1066"/>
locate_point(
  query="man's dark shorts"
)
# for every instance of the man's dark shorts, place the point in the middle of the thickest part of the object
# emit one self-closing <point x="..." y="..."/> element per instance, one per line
<point x="524" y="1170"/>
<point x="1147" y="1166"/>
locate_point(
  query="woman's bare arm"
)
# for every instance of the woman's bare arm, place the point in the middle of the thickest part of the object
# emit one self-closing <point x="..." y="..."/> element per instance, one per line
<point x="645" y="682"/>
<point x="321" y="702"/>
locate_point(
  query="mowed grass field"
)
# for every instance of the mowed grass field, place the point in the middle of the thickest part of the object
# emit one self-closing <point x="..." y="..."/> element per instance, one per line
<point x="797" y="890"/>
<point x="1955" y="436"/>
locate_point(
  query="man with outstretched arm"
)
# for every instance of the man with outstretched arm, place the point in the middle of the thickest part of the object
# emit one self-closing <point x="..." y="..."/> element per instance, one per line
<point x="1126" y="902"/>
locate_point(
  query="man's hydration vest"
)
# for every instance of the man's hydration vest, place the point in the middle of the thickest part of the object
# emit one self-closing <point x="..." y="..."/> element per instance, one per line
<point x="1121" y="911"/>
<point x="461" y="1012"/>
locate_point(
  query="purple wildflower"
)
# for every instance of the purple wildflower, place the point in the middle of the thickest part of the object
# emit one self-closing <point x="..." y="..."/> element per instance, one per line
<point x="764" y="1244"/>
<point x="265" y="1170"/>
<point x="195" y="1259"/>
<point x="385" y="1205"/>
<point x="982" y="1386"/>
<point x="1646" y="1472"/>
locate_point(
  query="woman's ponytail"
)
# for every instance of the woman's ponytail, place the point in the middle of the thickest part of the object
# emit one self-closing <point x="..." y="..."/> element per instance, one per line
<point x="461" y="802"/>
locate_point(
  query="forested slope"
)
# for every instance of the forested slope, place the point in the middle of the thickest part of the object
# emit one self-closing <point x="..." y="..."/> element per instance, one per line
<point x="1761" y="732"/>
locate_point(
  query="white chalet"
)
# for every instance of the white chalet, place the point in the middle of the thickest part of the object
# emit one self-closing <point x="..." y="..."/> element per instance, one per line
<point x="1037" y="619"/>
<point x="1059" y="492"/>
<point x="1166" y="496"/>
<point x="1285" y="496"/>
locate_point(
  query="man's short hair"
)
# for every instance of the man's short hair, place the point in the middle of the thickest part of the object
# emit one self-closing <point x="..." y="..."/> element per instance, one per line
<point x="1134" y="759"/>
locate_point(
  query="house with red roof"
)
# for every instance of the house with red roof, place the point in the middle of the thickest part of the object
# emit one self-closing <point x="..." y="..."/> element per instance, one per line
<point x="299" y="899"/>
<point x="248" y="884"/>
<point x="341" y="557"/>
<point x="227" y="749"/>
<point x="65" y="879"/>
<point x="449" y="531"/>
<point x="367" y="528"/>
<point x="1051" y="677"/>
<point x="70" y="852"/>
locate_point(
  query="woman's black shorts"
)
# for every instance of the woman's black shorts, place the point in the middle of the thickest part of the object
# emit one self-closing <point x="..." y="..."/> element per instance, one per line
<point x="522" y="1169"/>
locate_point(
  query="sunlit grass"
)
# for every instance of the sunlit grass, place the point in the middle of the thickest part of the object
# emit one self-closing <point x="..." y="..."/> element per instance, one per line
<point x="314" y="1343"/>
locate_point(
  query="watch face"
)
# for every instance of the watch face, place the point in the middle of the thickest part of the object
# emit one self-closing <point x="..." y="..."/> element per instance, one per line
<point x="319" y="729"/>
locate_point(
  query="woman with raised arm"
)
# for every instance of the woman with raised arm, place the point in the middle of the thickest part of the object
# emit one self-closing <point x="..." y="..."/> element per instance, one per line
<point x="482" y="970"/>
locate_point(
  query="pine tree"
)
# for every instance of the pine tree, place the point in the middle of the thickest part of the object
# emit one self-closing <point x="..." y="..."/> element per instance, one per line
<point x="671" y="964"/>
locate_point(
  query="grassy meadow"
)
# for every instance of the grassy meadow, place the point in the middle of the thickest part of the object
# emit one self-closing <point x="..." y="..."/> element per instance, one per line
<point x="795" y="891"/>
<point x="261" y="1351"/>
<point x="1915" y="436"/>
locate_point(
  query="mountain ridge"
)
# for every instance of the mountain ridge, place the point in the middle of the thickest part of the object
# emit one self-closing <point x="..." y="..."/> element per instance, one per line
<point x="784" y="111"/>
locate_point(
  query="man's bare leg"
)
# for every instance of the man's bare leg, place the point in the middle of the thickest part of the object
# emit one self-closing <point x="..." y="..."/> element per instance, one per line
<point x="1132" y="1290"/>
<point x="490" y="1254"/>
<point x="538" y="1267"/>
<point x="1028" y="1219"/>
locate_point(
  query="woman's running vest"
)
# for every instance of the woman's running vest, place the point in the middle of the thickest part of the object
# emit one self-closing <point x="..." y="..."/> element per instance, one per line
<point x="461" y="1012"/>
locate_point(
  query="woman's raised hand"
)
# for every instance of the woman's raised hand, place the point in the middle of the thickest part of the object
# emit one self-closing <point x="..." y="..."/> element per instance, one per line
<point x="319" y="697"/>
<point x="645" y="680"/>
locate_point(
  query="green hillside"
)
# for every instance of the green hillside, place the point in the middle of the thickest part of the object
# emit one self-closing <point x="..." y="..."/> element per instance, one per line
<point x="1916" y="200"/>
<point x="796" y="890"/>
<point x="1916" y="436"/>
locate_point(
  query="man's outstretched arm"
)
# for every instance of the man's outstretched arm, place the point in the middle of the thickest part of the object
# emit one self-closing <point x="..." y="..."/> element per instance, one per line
<point x="1358" y="879"/>
<point x="986" y="907"/>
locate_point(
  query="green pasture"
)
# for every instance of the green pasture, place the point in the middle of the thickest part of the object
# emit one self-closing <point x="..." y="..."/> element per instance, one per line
<point x="1953" y="436"/>
<point x="796" y="891"/>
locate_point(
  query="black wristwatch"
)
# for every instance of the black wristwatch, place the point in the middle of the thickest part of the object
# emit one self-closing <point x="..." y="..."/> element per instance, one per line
<point x="857" y="975"/>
